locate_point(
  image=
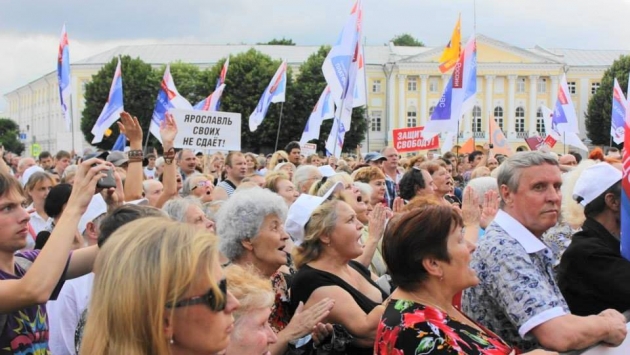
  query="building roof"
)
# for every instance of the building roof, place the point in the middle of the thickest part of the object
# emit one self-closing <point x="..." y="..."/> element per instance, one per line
<point x="209" y="54"/>
<point x="581" y="57"/>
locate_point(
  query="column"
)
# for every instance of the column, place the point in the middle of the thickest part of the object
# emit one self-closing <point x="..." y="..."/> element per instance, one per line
<point x="583" y="92"/>
<point x="511" y="108"/>
<point x="402" y="110"/>
<point x="533" y="89"/>
<point x="390" y="109"/>
<point x="423" y="107"/>
<point x="488" y="110"/>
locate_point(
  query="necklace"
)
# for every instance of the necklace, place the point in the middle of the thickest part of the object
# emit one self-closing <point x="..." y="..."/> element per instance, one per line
<point x="434" y="304"/>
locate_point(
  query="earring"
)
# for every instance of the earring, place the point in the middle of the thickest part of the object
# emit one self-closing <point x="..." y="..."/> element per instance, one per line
<point x="171" y="341"/>
<point x="442" y="278"/>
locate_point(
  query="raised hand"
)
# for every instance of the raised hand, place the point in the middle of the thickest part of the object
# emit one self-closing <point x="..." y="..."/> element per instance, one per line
<point x="489" y="208"/>
<point x="168" y="128"/>
<point x="130" y="127"/>
<point x="87" y="175"/>
<point x="470" y="208"/>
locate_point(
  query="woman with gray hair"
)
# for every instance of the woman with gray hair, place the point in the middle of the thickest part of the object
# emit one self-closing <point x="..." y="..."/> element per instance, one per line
<point x="188" y="210"/>
<point x="250" y="225"/>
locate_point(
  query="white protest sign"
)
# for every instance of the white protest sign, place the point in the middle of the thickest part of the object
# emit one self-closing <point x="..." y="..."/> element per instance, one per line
<point x="207" y="130"/>
<point x="308" y="149"/>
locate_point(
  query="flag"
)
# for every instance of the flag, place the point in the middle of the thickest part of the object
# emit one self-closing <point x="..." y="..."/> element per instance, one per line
<point x="564" y="118"/>
<point x="221" y="81"/>
<point x="324" y="109"/>
<point x="554" y="135"/>
<point x="337" y="135"/>
<point x="210" y="103"/>
<point x="498" y="139"/>
<point x="534" y="142"/>
<point x="63" y="75"/>
<point x="448" y="141"/>
<point x="167" y="98"/>
<point x="275" y="92"/>
<point x="468" y="147"/>
<point x="625" y="193"/>
<point x="459" y="94"/>
<point x="453" y="48"/>
<point x="618" y="114"/>
<point x="359" y="87"/>
<point x="337" y="65"/>
<point x="120" y="143"/>
<point x="112" y="109"/>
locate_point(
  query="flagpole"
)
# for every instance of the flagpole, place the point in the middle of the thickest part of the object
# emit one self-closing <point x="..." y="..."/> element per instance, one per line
<point x="146" y="141"/>
<point x="457" y="139"/>
<point x="367" y="112"/>
<point x="564" y="137"/>
<point x="72" y="125"/>
<point x="474" y="16"/>
<point x="279" y="124"/>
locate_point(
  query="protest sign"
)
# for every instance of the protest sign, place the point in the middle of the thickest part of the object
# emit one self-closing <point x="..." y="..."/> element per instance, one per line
<point x="410" y="139"/>
<point x="309" y="149"/>
<point x="207" y="130"/>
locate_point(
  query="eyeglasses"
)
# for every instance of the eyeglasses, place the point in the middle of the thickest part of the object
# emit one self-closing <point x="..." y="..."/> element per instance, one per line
<point x="201" y="184"/>
<point x="282" y="160"/>
<point x="209" y="299"/>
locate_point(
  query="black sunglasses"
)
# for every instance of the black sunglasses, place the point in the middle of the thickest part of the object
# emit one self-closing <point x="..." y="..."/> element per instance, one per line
<point x="282" y="160"/>
<point x="209" y="299"/>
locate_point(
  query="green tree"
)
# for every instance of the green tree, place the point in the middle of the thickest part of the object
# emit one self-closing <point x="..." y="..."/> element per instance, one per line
<point x="308" y="87"/>
<point x="600" y="105"/>
<point x="406" y="39"/>
<point x="189" y="81"/>
<point x="280" y="42"/>
<point x="140" y="87"/>
<point x="248" y="77"/>
<point x="9" y="136"/>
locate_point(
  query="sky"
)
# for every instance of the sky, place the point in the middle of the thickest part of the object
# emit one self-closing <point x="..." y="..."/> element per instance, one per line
<point x="30" y="30"/>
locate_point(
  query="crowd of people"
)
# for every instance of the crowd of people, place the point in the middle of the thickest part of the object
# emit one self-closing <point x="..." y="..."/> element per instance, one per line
<point x="183" y="252"/>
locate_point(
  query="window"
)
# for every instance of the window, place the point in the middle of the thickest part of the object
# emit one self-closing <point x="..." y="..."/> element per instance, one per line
<point x="540" y="123"/>
<point x="571" y="86"/>
<point x="520" y="85"/>
<point x="433" y="85"/>
<point x="431" y="109"/>
<point x="542" y="86"/>
<point x="376" y="86"/>
<point x="594" y="88"/>
<point x="500" y="123"/>
<point x="520" y="119"/>
<point x="498" y="112"/>
<point x="476" y="119"/>
<point x="376" y="121"/>
<point x="412" y="117"/>
<point x="412" y="84"/>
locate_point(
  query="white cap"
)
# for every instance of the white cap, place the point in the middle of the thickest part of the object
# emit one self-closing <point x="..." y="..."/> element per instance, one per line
<point x="96" y="208"/>
<point x="139" y="202"/>
<point x="301" y="210"/>
<point x="593" y="181"/>
<point x="326" y="170"/>
<point x="28" y="172"/>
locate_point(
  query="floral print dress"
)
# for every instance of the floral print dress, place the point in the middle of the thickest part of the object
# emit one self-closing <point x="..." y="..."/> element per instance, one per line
<point x="409" y="328"/>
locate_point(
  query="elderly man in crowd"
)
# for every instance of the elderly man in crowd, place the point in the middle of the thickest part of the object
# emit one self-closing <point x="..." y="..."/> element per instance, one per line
<point x="305" y="176"/>
<point x="517" y="296"/>
<point x="593" y="263"/>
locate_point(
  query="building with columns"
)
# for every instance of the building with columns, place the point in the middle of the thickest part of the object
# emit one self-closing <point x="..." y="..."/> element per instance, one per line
<point x="403" y="86"/>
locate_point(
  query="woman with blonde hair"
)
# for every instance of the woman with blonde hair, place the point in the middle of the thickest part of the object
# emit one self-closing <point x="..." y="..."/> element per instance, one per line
<point x="278" y="157"/>
<point x="325" y="259"/>
<point x="159" y="289"/>
<point x="280" y="183"/>
<point x="252" y="163"/>
<point x="252" y="332"/>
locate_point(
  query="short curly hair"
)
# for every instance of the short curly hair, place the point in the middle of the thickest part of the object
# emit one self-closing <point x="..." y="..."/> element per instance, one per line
<point x="242" y="215"/>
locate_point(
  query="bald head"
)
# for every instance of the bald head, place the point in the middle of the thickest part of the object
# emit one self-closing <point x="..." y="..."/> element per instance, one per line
<point x="567" y="159"/>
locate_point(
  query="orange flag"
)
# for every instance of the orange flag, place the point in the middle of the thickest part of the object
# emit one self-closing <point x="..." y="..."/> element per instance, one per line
<point x="497" y="138"/>
<point x="468" y="147"/>
<point x="451" y="53"/>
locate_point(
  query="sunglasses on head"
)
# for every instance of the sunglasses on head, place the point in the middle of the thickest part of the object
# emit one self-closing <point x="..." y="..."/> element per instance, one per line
<point x="209" y="299"/>
<point x="201" y="184"/>
<point x="282" y="160"/>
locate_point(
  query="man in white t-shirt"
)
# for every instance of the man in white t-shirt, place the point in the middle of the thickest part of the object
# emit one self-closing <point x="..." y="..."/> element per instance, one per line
<point x="149" y="170"/>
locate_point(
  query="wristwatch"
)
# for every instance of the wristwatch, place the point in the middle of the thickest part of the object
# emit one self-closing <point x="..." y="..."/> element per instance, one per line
<point x="169" y="155"/>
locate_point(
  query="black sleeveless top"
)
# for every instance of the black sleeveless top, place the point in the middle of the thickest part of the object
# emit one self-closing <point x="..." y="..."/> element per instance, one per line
<point x="308" y="279"/>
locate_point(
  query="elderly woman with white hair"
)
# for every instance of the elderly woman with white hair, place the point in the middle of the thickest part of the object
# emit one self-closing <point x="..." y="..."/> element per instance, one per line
<point x="250" y="225"/>
<point x="198" y="185"/>
<point x="188" y="210"/>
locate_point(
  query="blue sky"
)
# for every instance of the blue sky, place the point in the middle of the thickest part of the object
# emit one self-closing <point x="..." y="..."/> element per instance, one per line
<point x="29" y="31"/>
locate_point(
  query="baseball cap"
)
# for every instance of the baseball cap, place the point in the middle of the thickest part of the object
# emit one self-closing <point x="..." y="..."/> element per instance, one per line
<point x="96" y="208"/>
<point x="594" y="181"/>
<point x="28" y="172"/>
<point x="327" y="171"/>
<point x="117" y="158"/>
<point x="374" y="156"/>
<point x="301" y="210"/>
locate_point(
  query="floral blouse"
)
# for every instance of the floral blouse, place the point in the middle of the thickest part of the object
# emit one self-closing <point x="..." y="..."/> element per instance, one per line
<point x="280" y="310"/>
<point x="409" y="328"/>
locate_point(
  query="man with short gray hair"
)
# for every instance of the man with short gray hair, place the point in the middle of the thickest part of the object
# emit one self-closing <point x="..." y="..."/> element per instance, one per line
<point x="517" y="295"/>
<point x="305" y="176"/>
